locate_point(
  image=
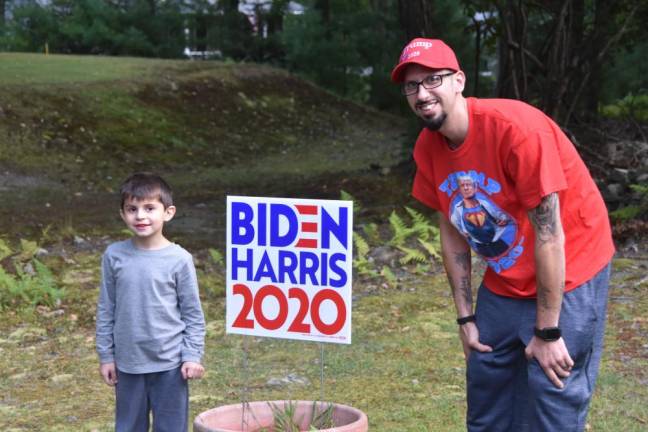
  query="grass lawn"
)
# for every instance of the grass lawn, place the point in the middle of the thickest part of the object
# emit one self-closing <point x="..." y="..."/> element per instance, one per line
<point x="34" y="69"/>
<point x="404" y="368"/>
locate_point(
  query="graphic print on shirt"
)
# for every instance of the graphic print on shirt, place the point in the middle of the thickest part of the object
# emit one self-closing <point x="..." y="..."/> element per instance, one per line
<point x="490" y="231"/>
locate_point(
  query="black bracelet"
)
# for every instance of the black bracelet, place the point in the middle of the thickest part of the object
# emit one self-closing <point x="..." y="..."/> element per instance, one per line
<point x="466" y="319"/>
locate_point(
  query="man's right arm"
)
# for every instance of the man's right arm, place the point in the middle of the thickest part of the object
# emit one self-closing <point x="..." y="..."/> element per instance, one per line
<point x="456" y="260"/>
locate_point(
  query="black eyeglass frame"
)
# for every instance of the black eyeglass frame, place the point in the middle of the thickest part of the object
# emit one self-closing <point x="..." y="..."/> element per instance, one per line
<point x="421" y="83"/>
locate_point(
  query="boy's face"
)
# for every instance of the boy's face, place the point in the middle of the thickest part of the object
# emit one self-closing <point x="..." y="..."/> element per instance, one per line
<point x="146" y="217"/>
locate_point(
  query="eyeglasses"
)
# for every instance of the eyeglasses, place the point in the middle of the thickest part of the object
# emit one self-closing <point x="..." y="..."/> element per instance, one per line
<point x="428" y="83"/>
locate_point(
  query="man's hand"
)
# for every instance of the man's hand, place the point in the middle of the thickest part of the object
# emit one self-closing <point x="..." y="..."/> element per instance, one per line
<point x="469" y="335"/>
<point x="108" y="372"/>
<point x="553" y="358"/>
<point x="191" y="370"/>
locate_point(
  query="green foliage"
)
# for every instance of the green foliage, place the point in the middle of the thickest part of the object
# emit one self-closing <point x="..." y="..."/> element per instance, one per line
<point x="285" y="419"/>
<point x="371" y="232"/>
<point x="343" y="51"/>
<point x="633" y="210"/>
<point x="416" y="239"/>
<point x="140" y="28"/>
<point x="389" y="276"/>
<point x="420" y="227"/>
<point x="29" y="289"/>
<point x="412" y="255"/>
<point x="346" y="196"/>
<point x="361" y="262"/>
<point x="216" y="256"/>
<point x="631" y="106"/>
<point x="5" y="250"/>
<point x="30" y="282"/>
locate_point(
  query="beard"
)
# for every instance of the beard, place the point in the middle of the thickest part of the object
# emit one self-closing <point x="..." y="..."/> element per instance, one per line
<point x="434" y="123"/>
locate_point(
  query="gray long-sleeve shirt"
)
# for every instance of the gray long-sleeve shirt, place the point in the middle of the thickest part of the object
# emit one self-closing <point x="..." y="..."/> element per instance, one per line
<point x="149" y="317"/>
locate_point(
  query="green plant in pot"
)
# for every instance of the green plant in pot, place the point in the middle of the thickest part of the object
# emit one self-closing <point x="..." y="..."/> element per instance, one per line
<point x="282" y="416"/>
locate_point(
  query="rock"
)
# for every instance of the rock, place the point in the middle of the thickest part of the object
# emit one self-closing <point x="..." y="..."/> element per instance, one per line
<point x="40" y="252"/>
<point x="642" y="178"/>
<point x="57" y="379"/>
<point x="29" y="269"/>
<point x="291" y="378"/>
<point x="384" y="255"/>
<point x="619" y="175"/>
<point x="612" y="193"/>
<point x="28" y="334"/>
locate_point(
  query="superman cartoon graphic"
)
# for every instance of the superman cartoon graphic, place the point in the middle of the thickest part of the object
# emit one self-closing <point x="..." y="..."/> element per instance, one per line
<point x="488" y="229"/>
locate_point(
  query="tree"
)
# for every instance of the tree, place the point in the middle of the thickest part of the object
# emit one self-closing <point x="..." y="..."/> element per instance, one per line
<point x="550" y="52"/>
<point x="3" y="11"/>
<point x="416" y="17"/>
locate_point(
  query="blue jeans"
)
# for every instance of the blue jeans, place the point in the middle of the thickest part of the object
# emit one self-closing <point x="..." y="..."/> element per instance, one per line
<point x="508" y="393"/>
<point x="165" y="394"/>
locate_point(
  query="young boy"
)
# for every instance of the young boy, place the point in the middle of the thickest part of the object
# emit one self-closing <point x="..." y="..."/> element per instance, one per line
<point x="150" y="325"/>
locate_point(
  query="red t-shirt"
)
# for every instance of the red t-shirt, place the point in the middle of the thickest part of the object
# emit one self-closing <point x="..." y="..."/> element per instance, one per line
<point x="513" y="156"/>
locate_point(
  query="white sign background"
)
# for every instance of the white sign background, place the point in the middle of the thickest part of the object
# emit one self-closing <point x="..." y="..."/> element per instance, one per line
<point x="289" y="264"/>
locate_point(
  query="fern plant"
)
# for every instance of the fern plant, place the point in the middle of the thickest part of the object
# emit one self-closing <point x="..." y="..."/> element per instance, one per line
<point x="361" y="261"/>
<point x="33" y="282"/>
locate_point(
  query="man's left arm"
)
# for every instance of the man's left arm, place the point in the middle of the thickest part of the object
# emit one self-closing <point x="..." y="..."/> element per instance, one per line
<point x="549" y="250"/>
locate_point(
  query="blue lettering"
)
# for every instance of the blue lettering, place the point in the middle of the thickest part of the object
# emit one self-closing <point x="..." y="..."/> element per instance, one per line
<point x="242" y="229"/>
<point x="445" y="187"/>
<point x="287" y="266"/>
<point x="246" y="264"/>
<point x="506" y="262"/>
<point x="265" y="269"/>
<point x="339" y="230"/>
<point x="335" y="268"/>
<point x="261" y="214"/>
<point x="492" y="187"/>
<point x="308" y="264"/>
<point x="477" y="177"/>
<point x="509" y="260"/>
<point x="276" y="212"/>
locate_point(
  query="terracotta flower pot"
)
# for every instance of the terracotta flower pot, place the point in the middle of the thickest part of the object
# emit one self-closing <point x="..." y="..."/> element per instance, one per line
<point x="259" y="415"/>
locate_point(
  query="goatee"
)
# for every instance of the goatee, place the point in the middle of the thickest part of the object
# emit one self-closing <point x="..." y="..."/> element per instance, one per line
<point x="434" y="123"/>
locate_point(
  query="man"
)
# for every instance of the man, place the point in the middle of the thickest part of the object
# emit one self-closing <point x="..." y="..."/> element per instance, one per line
<point x="533" y="344"/>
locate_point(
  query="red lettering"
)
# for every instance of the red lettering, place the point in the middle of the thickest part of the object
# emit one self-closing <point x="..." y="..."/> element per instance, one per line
<point x="242" y="320"/>
<point x="270" y="324"/>
<point x="336" y="326"/>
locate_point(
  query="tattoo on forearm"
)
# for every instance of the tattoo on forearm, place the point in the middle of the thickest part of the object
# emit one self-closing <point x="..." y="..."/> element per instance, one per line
<point x="463" y="259"/>
<point x="465" y="291"/>
<point x="543" y="297"/>
<point x="544" y="218"/>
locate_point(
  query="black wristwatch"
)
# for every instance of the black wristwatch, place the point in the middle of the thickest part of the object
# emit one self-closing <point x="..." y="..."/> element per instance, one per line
<point x="548" y="334"/>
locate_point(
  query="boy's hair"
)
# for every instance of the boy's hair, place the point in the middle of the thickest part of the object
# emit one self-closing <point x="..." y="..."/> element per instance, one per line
<point x="143" y="185"/>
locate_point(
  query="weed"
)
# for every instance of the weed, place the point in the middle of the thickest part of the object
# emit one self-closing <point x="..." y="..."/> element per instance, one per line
<point x="285" y="419"/>
<point x="31" y="283"/>
<point x="631" y="106"/>
<point x="413" y="237"/>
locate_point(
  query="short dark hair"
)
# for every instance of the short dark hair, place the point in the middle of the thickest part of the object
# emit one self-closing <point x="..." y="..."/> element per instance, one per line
<point x="144" y="185"/>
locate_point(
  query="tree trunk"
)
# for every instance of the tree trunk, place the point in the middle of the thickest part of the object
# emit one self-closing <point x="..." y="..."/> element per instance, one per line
<point x="416" y="18"/>
<point x="276" y="16"/>
<point x="324" y="8"/>
<point x="3" y="10"/>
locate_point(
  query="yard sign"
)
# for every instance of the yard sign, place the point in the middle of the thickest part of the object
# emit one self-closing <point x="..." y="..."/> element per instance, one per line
<point x="289" y="268"/>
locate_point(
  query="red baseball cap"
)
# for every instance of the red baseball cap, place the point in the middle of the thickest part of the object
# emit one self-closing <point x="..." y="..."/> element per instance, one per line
<point x="432" y="53"/>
